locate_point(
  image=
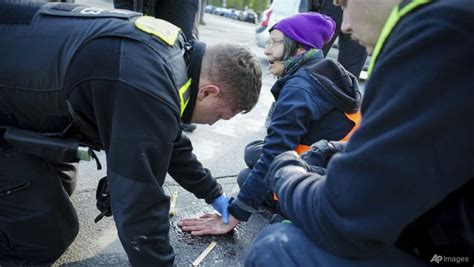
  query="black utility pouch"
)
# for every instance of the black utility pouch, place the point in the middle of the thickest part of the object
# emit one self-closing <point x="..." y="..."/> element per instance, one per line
<point x="50" y="149"/>
<point x="103" y="200"/>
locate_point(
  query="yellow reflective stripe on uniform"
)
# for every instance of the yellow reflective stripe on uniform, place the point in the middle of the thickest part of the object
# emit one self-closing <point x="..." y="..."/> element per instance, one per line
<point x="158" y="27"/>
<point x="392" y="21"/>
<point x="184" y="96"/>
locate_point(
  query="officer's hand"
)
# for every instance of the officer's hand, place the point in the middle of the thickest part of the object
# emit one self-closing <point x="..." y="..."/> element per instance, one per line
<point x="284" y="167"/>
<point x="321" y="152"/>
<point x="289" y="158"/>
<point x="221" y="204"/>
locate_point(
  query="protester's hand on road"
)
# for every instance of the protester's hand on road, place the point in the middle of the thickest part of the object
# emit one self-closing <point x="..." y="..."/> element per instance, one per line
<point x="208" y="224"/>
<point x="221" y="204"/>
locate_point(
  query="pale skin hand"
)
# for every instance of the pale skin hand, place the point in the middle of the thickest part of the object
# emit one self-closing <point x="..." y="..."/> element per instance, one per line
<point x="208" y="224"/>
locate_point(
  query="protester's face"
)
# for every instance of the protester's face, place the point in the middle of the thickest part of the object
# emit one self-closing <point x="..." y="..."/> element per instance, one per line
<point x="274" y="50"/>
<point x="211" y="106"/>
<point x="364" y="19"/>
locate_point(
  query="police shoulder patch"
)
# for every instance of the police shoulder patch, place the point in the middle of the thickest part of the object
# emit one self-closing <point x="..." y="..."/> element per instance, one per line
<point x="79" y="11"/>
<point x="158" y="27"/>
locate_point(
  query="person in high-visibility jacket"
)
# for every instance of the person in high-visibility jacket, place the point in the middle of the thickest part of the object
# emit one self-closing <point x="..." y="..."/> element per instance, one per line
<point x="110" y="80"/>
<point x="401" y="193"/>
<point x="315" y="98"/>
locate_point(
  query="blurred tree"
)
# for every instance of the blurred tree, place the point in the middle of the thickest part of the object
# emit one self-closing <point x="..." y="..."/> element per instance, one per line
<point x="257" y="5"/>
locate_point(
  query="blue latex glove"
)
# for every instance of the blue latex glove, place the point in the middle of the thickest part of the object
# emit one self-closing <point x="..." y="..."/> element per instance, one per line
<point x="221" y="204"/>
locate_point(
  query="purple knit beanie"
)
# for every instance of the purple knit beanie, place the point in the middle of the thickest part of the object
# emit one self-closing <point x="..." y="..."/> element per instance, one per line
<point x="310" y="29"/>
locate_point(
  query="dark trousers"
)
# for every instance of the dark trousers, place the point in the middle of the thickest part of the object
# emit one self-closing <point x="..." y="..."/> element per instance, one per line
<point x="351" y="55"/>
<point x="181" y="13"/>
<point x="283" y="244"/>
<point x="251" y="155"/>
<point x="37" y="219"/>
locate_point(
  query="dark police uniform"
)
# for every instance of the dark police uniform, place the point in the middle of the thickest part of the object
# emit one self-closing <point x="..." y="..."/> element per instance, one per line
<point x="92" y="76"/>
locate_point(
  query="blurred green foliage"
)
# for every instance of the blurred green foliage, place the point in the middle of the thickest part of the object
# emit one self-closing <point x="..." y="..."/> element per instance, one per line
<point x="257" y="5"/>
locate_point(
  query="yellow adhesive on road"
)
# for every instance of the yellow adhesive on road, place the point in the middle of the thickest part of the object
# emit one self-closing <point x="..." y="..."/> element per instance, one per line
<point x="158" y="27"/>
<point x="201" y="257"/>
<point x="174" y="196"/>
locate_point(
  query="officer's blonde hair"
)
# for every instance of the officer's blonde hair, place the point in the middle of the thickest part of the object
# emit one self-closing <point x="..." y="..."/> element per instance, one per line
<point x="236" y="70"/>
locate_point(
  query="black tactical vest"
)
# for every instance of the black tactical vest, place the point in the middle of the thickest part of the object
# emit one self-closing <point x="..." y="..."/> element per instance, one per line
<point x="38" y="42"/>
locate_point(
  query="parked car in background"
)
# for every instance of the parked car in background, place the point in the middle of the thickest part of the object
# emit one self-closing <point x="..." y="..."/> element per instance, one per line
<point x="280" y="9"/>
<point x="62" y="1"/>
<point x="236" y="14"/>
<point x="220" y="11"/>
<point x="230" y="13"/>
<point x="248" y="16"/>
<point x="209" y="9"/>
<point x="260" y="37"/>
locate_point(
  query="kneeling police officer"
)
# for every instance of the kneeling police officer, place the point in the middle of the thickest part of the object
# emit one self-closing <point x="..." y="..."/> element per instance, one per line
<point x="74" y="77"/>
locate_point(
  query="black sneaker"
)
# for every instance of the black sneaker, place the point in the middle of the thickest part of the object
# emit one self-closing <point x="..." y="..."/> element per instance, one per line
<point x="188" y="127"/>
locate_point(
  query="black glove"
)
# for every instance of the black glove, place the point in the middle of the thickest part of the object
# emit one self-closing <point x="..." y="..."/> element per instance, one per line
<point x="321" y="152"/>
<point x="287" y="159"/>
<point x="103" y="200"/>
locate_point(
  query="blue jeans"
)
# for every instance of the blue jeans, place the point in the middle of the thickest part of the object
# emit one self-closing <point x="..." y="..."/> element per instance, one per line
<point x="285" y="244"/>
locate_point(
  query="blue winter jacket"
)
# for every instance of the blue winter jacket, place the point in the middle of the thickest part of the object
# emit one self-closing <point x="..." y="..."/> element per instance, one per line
<point x="310" y="105"/>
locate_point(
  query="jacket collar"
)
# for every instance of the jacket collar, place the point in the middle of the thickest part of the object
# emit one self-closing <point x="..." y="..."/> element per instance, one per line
<point x="194" y="72"/>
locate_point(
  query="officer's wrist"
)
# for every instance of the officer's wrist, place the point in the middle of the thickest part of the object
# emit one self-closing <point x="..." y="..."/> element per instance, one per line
<point x="211" y="199"/>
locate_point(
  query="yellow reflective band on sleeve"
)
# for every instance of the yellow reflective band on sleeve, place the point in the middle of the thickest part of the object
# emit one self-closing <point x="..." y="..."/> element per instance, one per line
<point x="392" y="21"/>
<point x="158" y="27"/>
<point x="184" y="96"/>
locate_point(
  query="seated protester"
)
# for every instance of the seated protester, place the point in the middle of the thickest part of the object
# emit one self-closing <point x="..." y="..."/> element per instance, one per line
<point x="315" y="98"/>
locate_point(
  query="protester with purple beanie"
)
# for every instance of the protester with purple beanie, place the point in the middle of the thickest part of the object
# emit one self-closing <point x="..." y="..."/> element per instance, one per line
<point x="311" y="30"/>
<point x="315" y="98"/>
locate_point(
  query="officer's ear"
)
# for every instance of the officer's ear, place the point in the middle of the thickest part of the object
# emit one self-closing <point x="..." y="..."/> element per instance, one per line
<point x="208" y="90"/>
